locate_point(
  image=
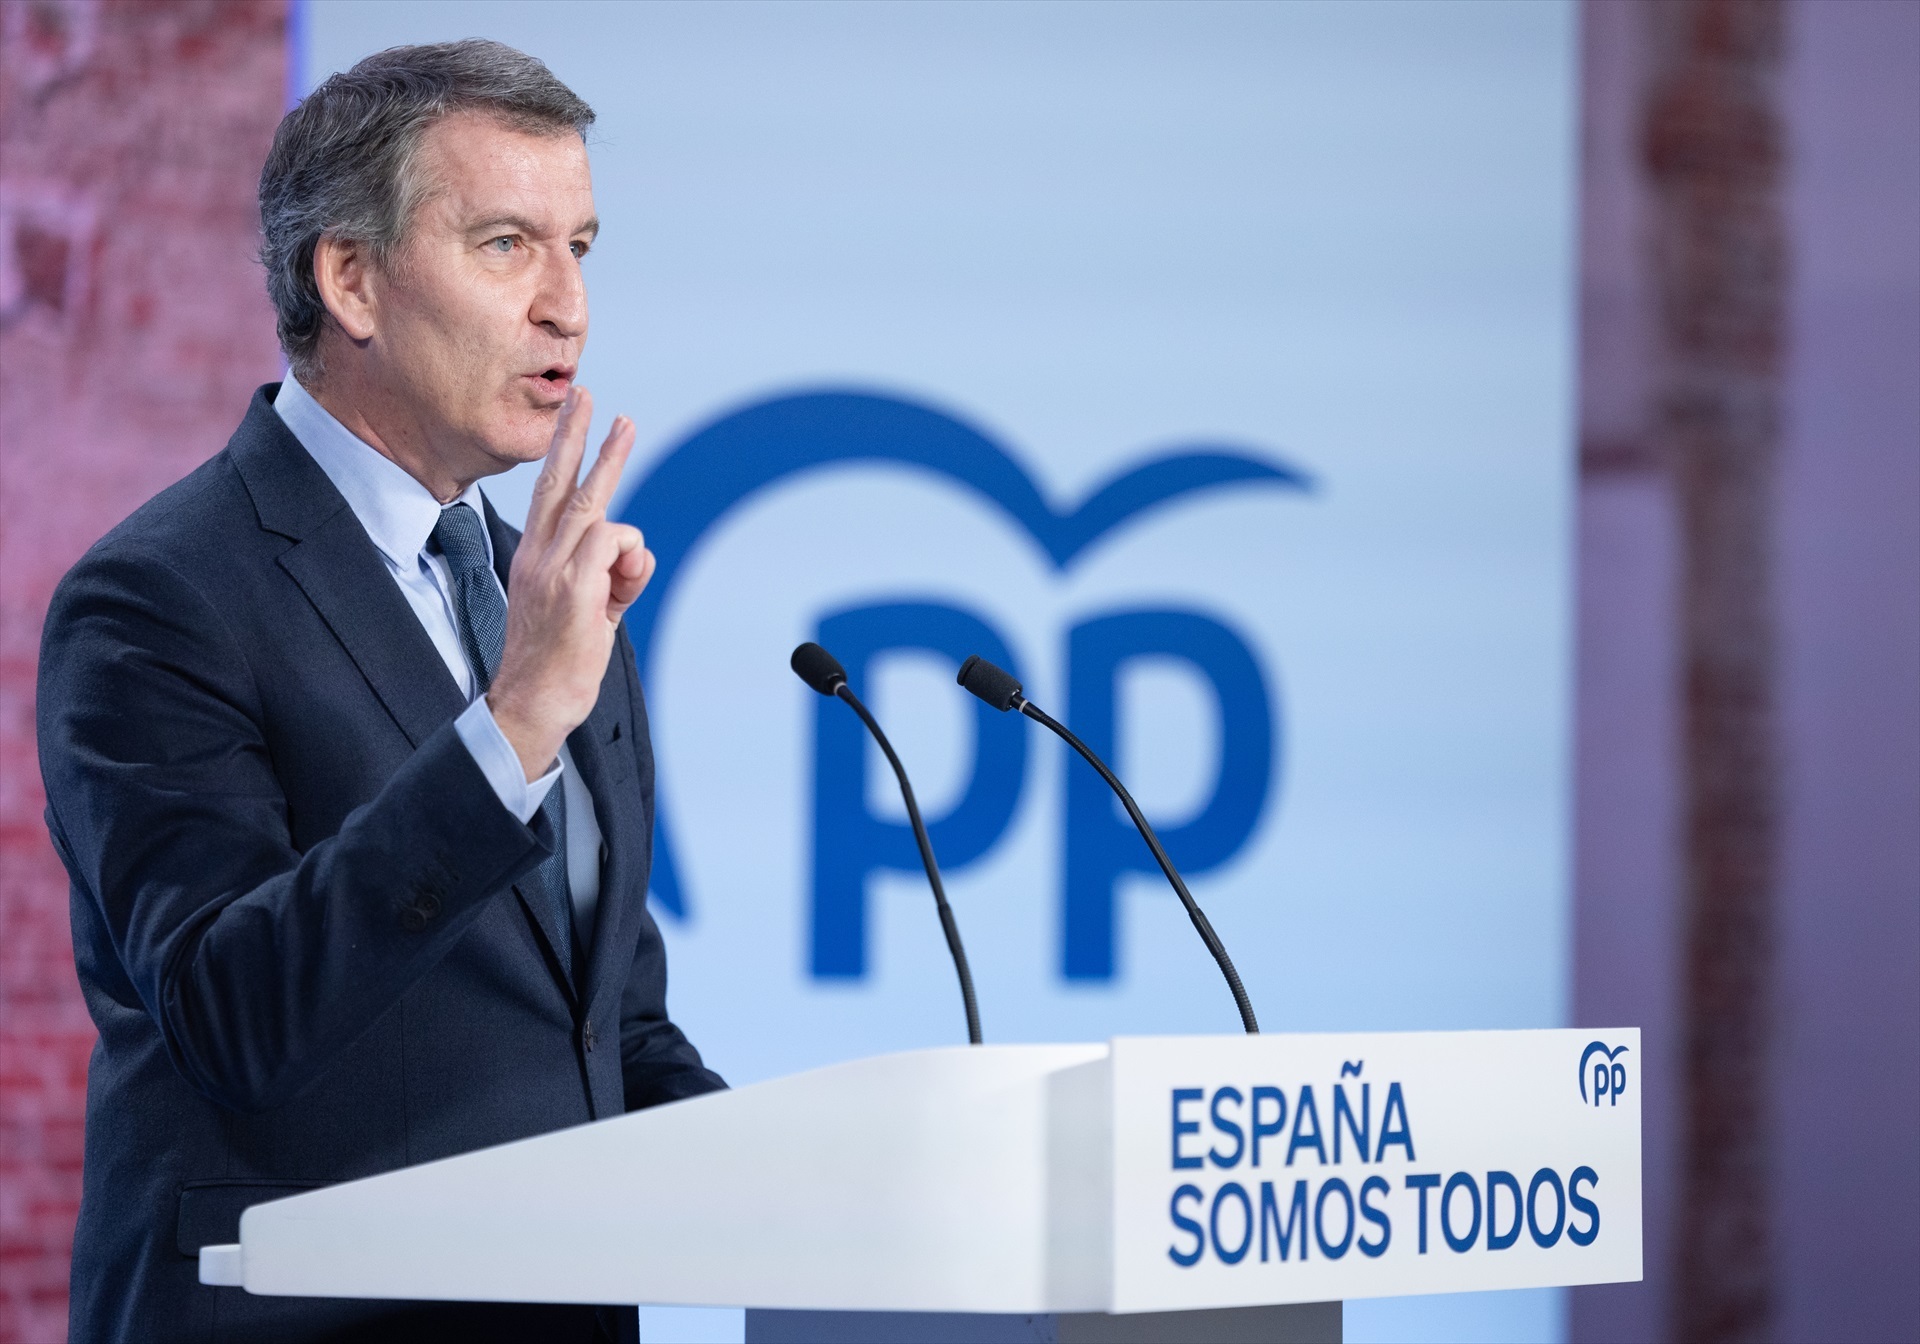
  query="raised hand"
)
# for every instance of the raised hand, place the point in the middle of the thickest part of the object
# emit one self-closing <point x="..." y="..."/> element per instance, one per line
<point x="573" y="578"/>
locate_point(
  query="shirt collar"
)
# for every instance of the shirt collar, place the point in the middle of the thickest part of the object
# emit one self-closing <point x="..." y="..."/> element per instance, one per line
<point x="397" y="511"/>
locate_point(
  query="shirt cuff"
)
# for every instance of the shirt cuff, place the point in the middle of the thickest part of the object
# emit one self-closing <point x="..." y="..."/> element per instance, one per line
<point x="500" y="763"/>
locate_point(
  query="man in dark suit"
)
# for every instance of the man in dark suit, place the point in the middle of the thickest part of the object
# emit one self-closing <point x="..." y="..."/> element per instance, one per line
<point x="352" y="781"/>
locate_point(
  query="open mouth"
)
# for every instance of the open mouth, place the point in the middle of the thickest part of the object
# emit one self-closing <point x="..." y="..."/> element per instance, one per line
<point x="559" y="378"/>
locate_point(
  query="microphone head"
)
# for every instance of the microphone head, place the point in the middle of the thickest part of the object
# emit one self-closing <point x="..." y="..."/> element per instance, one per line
<point x="818" y="668"/>
<point x="993" y="684"/>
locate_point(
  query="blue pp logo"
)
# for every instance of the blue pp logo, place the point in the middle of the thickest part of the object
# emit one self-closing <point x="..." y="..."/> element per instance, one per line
<point x="756" y="448"/>
<point x="1608" y="1074"/>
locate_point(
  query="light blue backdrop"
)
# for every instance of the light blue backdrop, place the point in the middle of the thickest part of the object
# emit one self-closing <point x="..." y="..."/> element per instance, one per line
<point x="1332" y="239"/>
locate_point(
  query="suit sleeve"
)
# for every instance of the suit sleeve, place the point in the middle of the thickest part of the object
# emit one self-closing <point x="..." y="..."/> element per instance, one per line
<point x="260" y="964"/>
<point x="657" y="1062"/>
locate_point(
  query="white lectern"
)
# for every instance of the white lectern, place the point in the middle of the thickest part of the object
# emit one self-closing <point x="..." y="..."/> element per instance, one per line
<point x="1070" y="1187"/>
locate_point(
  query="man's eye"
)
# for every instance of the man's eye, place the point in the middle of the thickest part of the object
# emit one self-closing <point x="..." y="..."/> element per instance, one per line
<point x="501" y="245"/>
<point x="579" y="249"/>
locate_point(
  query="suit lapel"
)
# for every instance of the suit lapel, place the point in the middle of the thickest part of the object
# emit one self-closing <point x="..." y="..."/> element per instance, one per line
<point x="344" y="577"/>
<point x="335" y="564"/>
<point x="592" y="746"/>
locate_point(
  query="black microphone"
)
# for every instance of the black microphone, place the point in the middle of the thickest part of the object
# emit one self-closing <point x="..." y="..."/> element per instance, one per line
<point x="822" y="671"/>
<point x="998" y="688"/>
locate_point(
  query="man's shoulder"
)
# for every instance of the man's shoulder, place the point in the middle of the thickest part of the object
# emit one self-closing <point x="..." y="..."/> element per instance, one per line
<point x="206" y="523"/>
<point x="197" y="514"/>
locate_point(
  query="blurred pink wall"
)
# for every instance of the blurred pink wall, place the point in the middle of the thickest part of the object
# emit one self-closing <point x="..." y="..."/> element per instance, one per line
<point x="1847" y="1192"/>
<point x="1841" y="1074"/>
<point x="133" y="327"/>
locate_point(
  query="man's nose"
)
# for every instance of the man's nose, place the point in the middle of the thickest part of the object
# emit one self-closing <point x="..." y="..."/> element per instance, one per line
<point x="560" y="302"/>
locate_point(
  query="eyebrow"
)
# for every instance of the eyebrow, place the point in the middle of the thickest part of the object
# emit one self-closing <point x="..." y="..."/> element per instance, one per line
<point x="521" y="224"/>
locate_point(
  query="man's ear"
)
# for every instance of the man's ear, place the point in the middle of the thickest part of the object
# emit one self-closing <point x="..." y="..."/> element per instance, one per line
<point x="343" y="273"/>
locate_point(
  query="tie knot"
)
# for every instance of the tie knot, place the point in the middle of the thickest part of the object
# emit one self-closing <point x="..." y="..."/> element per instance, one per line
<point x="458" y="536"/>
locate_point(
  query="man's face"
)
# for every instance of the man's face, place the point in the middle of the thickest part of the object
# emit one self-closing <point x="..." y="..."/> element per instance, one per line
<point x="482" y="307"/>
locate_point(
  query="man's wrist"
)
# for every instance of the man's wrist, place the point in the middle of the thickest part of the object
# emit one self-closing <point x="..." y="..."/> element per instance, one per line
<point x="500" y="763"/>
<point x="536" y="744"/>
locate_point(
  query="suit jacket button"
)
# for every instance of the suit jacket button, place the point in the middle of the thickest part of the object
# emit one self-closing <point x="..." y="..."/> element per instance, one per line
<point x="413" y="919"/>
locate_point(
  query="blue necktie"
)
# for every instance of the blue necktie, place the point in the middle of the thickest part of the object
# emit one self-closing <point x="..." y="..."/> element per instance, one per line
<point x="481" y="613"/>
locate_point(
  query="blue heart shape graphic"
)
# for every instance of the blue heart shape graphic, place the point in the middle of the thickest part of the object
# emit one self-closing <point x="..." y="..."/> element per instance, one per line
<point x="744" y="451"/>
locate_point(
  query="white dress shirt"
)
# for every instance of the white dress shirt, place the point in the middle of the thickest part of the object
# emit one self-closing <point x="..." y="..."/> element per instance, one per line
<point x="400" y="514"/>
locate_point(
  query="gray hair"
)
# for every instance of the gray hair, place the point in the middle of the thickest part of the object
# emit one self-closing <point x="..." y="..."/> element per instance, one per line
<point x="342" y="162"/>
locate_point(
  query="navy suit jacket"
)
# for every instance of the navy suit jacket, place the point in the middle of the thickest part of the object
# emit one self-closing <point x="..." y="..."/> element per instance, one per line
<point x="296" y="911"/>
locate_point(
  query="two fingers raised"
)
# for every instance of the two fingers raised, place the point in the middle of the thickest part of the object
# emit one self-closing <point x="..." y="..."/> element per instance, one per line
<point x="555" y="484"/>
<point x="564" y="507"/>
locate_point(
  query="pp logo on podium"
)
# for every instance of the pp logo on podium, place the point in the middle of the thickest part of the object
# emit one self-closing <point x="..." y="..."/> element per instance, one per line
<point x="1609" y="1074"/>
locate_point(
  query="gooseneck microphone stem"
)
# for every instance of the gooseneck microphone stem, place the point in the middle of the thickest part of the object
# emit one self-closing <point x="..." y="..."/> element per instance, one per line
<point x="999" y="688"/>
<point x="823" y="673"/>
<point x="1199" y="918"/>
<point x="947" y="923"/>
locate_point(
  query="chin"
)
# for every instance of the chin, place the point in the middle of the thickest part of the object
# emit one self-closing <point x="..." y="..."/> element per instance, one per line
<point x="524" y="438"/>
<point x="519" y="454"/>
